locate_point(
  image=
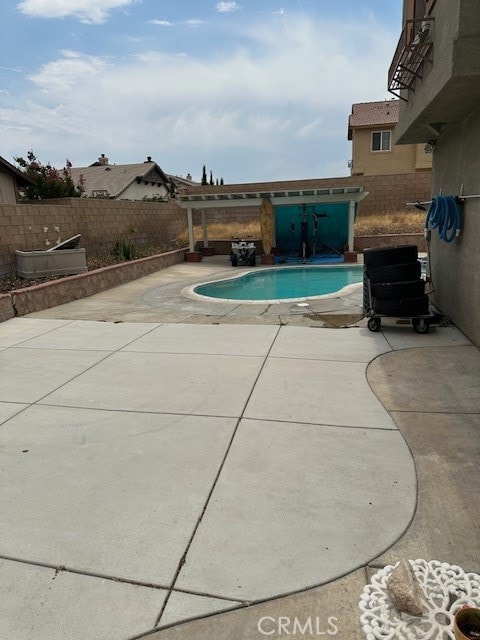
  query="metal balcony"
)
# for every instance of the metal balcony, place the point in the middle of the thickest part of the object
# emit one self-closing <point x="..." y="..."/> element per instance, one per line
<point x="414" y="47"/>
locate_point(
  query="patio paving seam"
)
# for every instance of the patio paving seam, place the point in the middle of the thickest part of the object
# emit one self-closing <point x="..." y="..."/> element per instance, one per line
<point x="214" y="484"/>
<point x="81" y="572"/>
<point x="18" y="344"/>
<point x="325" y="424"/>
<point x="137" y="411"/>
<point x="365" y="362"/>
<point x="108" y="355"/>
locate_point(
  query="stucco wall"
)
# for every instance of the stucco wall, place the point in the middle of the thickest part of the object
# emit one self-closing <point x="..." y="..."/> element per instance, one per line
<point x="400" y="158"/>
<point x="456" y="266"/>
<point x="436" y="76"/>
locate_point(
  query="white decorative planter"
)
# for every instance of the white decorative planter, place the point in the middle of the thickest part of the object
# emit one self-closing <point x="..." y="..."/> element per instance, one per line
<point x="39" y="264"/>
<point x="446" y="589"/>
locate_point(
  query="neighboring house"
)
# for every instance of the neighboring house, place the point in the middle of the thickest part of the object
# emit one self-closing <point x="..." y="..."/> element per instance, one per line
<point x="141" y="181"/>
<point x="436" y="73"/>
<point x="11" y="180"/>
<point x="182" y="183"/>
<point x="370" y="128"/>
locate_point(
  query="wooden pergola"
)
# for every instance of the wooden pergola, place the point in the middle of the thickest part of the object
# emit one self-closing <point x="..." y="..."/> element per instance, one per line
<point x="203" y="201"/>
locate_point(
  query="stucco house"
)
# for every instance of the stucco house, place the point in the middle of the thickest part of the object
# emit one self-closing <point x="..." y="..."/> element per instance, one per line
<point x="11" y="180"/>
<point x="435" y="72"/>
<point x="371" y="128"/>
<point x="138" y="181"/>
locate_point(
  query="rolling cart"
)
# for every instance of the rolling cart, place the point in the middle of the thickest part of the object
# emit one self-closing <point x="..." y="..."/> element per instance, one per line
<point x="393" y="288"/>
<point x="421" y="322"/>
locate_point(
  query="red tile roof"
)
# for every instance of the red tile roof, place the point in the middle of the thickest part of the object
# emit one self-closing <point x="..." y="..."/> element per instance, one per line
<point x="373" y="114"/>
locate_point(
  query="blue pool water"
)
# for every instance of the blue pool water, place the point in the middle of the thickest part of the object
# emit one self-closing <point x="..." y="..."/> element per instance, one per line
<point x="284" y="283"/>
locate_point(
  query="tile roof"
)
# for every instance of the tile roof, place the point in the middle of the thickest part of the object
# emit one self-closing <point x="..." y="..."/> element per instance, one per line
<point x="372" y="114"/>
<point x="115" y="178"/>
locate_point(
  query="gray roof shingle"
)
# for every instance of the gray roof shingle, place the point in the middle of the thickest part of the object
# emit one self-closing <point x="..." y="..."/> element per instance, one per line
<point x="115" y="178"/>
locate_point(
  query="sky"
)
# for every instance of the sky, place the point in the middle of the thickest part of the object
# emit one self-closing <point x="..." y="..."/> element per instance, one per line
<point x="256" y="90"/>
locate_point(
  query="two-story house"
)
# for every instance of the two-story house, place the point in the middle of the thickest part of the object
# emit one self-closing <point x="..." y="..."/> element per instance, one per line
<point x="371" y="127"/>
<point x="435" y="72"/>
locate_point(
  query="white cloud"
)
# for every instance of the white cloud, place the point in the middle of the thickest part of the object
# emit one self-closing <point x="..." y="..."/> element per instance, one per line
<point x="279" y="113"/>
<point x="63" y="75"/>
<point x="166" y="23"/>
<point x="88" y="11"/>
<point x="227" y="6"/>
<point x="280" y="12"/>
<point x="162" y="23"/>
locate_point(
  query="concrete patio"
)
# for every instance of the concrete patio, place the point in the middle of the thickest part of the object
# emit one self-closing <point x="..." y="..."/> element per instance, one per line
<point x="164" y="460"/>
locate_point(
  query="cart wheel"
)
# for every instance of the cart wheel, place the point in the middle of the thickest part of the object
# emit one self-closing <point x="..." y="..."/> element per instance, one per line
<point x="420" y="325"/>
<point x="374" y="324"/>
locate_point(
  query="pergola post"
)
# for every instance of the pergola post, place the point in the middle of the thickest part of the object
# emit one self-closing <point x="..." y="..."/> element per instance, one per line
<point x="351" y="224"/>
<point x="204" y="228"/>
<point x="191" y="242"/>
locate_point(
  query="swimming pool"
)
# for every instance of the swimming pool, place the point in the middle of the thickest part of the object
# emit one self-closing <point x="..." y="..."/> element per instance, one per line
<point x="283" y="284"/>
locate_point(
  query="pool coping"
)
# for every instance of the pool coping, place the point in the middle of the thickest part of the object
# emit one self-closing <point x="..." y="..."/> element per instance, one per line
<point x="189" y="291"/>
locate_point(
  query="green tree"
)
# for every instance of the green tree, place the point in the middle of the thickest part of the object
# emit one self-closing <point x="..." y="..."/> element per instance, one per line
<point x="204" y="175"/>
<point x="211" y="177"/>
<point x="47" y="182"/>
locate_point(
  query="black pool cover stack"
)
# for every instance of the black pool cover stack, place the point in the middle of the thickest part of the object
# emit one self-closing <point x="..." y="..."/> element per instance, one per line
<point x="392" y="283"/>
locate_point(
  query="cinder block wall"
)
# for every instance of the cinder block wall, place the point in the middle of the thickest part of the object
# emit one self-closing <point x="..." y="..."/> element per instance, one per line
<point x="101" y="223"/>
<point x="387" y="193"/>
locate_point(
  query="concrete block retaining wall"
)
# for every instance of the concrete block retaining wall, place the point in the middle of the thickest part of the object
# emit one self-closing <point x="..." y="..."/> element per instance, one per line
<point x="222" y="247"/>
<point x="55" y="292"/>
<point x="370" y="242"/>
<point x="101" y="222"/>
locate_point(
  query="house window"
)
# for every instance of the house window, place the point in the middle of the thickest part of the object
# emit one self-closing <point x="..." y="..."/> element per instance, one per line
<point x="381" y="140"/>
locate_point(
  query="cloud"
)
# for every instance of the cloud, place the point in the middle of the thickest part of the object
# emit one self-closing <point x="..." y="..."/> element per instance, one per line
<point x="227" y="6"/>
<point x="166" y="23"/>
<point x="62" y="75"/>
<point x="277" y="107"/>
<point x="162" y="23"/>
<point x="87" y="11"/>
<point x="280" y="12"/>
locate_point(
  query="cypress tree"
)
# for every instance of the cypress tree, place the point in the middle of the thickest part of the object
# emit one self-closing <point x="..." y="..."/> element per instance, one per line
<point x="204" y="176"/>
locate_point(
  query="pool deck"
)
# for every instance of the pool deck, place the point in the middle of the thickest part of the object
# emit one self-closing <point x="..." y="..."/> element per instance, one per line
<point x="174" y="469"/>
<point x="158" y="298"/>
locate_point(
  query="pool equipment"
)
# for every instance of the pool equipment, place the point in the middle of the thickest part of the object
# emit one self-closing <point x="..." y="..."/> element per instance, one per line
<point x="242" y="252"/>
<point x="308" y="233"/>
<point x="444" y="214"/>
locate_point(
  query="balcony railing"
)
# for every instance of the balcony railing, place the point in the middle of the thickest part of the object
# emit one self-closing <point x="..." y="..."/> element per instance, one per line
<point x="413" y="48"/>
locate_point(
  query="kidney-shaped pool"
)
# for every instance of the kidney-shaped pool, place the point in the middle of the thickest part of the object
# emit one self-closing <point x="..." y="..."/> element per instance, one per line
<point x="282" y="284"/>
